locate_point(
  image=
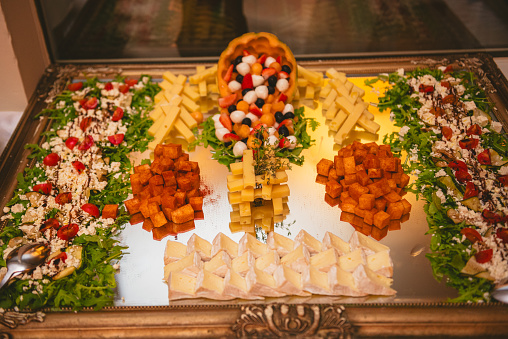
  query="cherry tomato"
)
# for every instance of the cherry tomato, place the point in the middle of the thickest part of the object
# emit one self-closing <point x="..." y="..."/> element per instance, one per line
<point x="116" y="139"/>
<point x="471" y="234"/>
<point x="118" y="114"/>
<point x="131" y="82"/>
<point x="502" y="233"/>
<point x="447" y="132"/>
<point x="91" y="209"/>
<point x="68" y="231"/>
<point x="50" y="223"/>
<point x="448" y="69"/>
<point x="108" y="86"/>
<point x="471" y="191"/>
<point x="425" y="89"/>
<point x="85" y="123"/>
<point x="43" y="188"/>
<point x="78" y="166"/>
<point x="86" y="144"/>
<point x="446" y="84"/>
<point x="474" y="130"/>
<point x="123" y="88"/>
<point x="71" y="142"/>
<point x="90" y="103"/>
<point x="470" y="143"/>
<point x="61" y="256"/>
<point x="463" y="176"/>
<point x="503" y="179"/>
<point x="457" y="165"/>
<point x="491" y="217"/>
<point x="75" y="86"/>
<point x="484" y="256"/>
<point x="449" y="99"/>
<point x="63" y="198"/>
<point x="484" y="157"/>
<point x="51" y="159"/>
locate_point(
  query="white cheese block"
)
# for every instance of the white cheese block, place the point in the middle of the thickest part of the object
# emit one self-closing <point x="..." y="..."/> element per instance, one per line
<point x="330" y="240"/>
<point x="350" y="261"/>
<point x="243" y="263"/>
<point x="381" y="263"/>
<point x="315" y="281"/>
<point x="236" y="286"/>
<point x="174" y="251"/>
<point x="181" y="286"/>
<point x="298" y="259"/>
<point x="279" y="243"/>
<point x="200" y="245"/>
<point x="219" y="264"/>
<point x="343" y="283"/>
<point x="369" y="245"/>
<point x="249" y="242"/>
<point x="312" y="244"/>
<point x="189" y="265"/>
<point x="224" y="243"/>
<point x="260" y="283"/>
<point x="325" y="260"/>
<point x="288" y="281"/>
<point x="372" y="283"/>
<point x="268" y="262"/>
<point x="211" y="286"/>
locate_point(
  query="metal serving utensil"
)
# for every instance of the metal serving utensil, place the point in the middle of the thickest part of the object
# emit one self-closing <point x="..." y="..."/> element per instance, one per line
<point x="23" y="259"/>
<point x="501" y="292"/>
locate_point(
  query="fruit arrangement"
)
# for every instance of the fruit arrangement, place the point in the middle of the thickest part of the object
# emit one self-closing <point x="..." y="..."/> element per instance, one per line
<point x="367" y="183"/>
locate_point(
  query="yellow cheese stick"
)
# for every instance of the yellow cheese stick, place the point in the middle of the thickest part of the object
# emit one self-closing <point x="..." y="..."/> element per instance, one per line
<point x="172" y="113"/>
<point x="247" y="194"/>
<point x="172" y="100"/>
<point x="331" y="112"/>
<point x="202" y="89"/>
<point x="191" y="93"/>
<point x="325" y="90"/>
<point x="369" y="125"/>
<point x="314" y="77"/>
<point x="236" y="168"/>
<point x="212" y="88"/>
<point x="330" y="98"/>
<point x="187" y="118"/>
<point x="249" y="178"/>
<point x="189" y="104"/>
<point x="360" y="91"/>
<point x="349" y="124"/>
<point x="156" y="113"/>
<point x="309" y="93"/>
<point x="182" y="128"/>
<point x="164" y="84"/>
<point x="344" y="104"/>
<point x="341" y="89"/>
<point x="332" y="73"/>
<point x="181" y="79"/>
<point x="158" y="97"/>
<point x="338" y="120"/>
<point x="168" y="76"/>
<point x="302" y="82"/>
<point x="204" y="75"/>
<point x="277" y="206"/>
<point x="175" y="89"/>
<point x="244" y="209"/>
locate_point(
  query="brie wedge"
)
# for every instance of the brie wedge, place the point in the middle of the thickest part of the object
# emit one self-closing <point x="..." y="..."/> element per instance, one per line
<point x="260" y="283"/>
<point x="381" y="263"/>
<point x="372" y="283"/>
<point x="211" y="286"/>
<point x="349" y="262"/>
<point x="288" y="281"/>
<point x="279" y="243"/>
<point x="312" y="244"/>
<point x="236" y="286"/>
<point x="200" y="245"/>
<point x="343" y="283"/>
<point x="243" y="263"/>
<point x="181" y="286"/>
<point x="219" y="264"/>
<point x="369" y="245"/>
<point x="249" y="242"/>
<point x="174" y="251"/>
<point x="331" y="240"/>
<point x="325" y="260"/>
<point x="315" y="281"/>
<point x="189" y="265"/>
<point x="223" y="242"/>
<point x="298" y="259"/>
<point x="268" y="262"/>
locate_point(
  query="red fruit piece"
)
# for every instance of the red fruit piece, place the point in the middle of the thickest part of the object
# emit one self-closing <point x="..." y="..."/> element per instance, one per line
<point x="86" y="144"/>
<point x="123" y="88"/>
<point x="286" y="122"/>
<point x="50" y="223"/>
<point x="283" y="75"/>
<point x="457" y="165"/>
<point x="484" y="157"/>
<point x="502" y="233"/>
<point x="75" y="86"/>
<point x="279" y="60"/>
<point x="282" y="97"/>
<point x="108" y="86"/>
<point x="229" y="73"/>
<point x="484" y="256"/>
<point x="447" y="132"/>
<point x="63" y="198"/>
<point x="85" y="123"/>
<point x="130" y="82"/>
<point x="71" y="142"/>
<point x="230" y="137"/>
<point x="61" y="256"/>
<point x="491" y="217"/>
<point x="118" y="114"/>
<point x="471" y="191"/>
<point x="245" y="52"/>
<point x="68" y="231"/>
<point x="474" y="130"/>
<point x="426" y="89"/>
<point x="471" y="234"/>
<point x="470" y="143"/>
<point x="463" y="176"/>
<point x="116" y="139"/>
<point x="78" y="166"/>
<point x="262" y="58"/>
<point x="448" y="69"/>
<point x="90" y="103"/>
<point x="227" y="101"/>
<point x="225" y="120"/>
<point x="268" y="72"/>
<point x="91" y="209"/>
<point x="503" y="179"/>
<point x="259" y="127"/>
<point x="446" y="84"/>
<point x="284" y="142"/>
<point x="449" y="99"/>
<point x="255" y="110"/>
<point x="43" y="188"/>
<point x="51" y="159"/>
<point x="247" y="81"/>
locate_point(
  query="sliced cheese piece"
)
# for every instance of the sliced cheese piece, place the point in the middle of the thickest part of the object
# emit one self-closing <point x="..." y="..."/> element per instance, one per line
<point x="279" y="243"/>
<point x="181" y="79"/>
<point x="338" y="120"/>
<point x="332" y="73"/>
<point x="312" y="244"/>
<point x="189" y="104"/>
<point x="236" y="286"/>
<point x="289" y="281"/>
<point x="174" y="90"/>
<point x="278" y="208"/>
<point x="190" y="265"/>
<point x="315" y="281"/>
<point x="245" y="210"/>
<point x="249" y="177"/>
<point x="268" y="262"/>
<point x="243" y="262"/>
<point x="211" y="286"/>
<point x="204" y="75"/>
<point x="164" y="85"/>
<point x="172" y="113"/>
<point x="309" y="92"/>
<point x="181" y="286"/>
<point x="234" y="197"/>
<point x="325" y="90"/>
<point x="234" y="177"/>
<point x="359" y="90"/>
<point x="369" y="125"/>
<point x="236" y="227"/>
<point x="316" y="78"/>
<point x="266" y="192"/>
<point x="222" y="242"/>
<point x="156" y="113"/>
<point x="235" y="186"/>
<point x="344" y="104"/>
<point x="159" y="97"/>
<point x="174" y="251"/>
<point x="298" y="259"/>
<point x="236" y="168"/>
<point x="381" y="263"/>
<point x="192" y="94"/>
<point x="349" y="124"/>
<point x="260" y="283"/>
<point x="182" y="128"/>
<point x="200" y="245"/>
<point x="350" y="261"/>
<point x="219" y="264"/>
<point x="343" y="283"/>
<point x="323" y="261"/>
<point x="330" y="240"/>
<point x="367" y="244"/>
<point x="372" y="283"/>
<point x="249" y="243"/>
<point x="187" y="118"/>
<point x="330" y="99"/>
<point x="248" y="194"/>
<point x="280" y="191"/>
<point x="331" y="112"/>
<point x="169" y="77"/>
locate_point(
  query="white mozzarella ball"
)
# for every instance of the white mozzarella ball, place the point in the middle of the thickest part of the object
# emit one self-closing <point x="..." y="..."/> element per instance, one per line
<point x="269" y="61"/>
<point x="234" y="86"/>
<point x="292" y="141"/>
<point x="243" y="68"/>
<point x="272" y="130"/>
<point x="272" y="140"/>
<point x="250" y="97"/>
<point x="282" y="85"/>
<point x="261" y="92"/>
<point x="218" y="125"/>
<point x="238" y="148"/>
<point x="257" y="80"/>
<point x="216" y="117"/>
<point x="288" y="108"/>
<point x="219" y="133"/>
<point x="253" y="117"/>
<point x="237" y="116"/>
<point x="249" y="59"/>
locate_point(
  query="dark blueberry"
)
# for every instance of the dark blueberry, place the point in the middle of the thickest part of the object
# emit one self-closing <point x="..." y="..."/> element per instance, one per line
<point x="227" y="144"/>
<point x="239" y="78"/>
<point x="238" y="60"/>
<point x="271" y="90"/>
<point x="245" y="140"/>
<point x="247" y="121"/>
<point x="272" y="81"/>
<point x="286" y="69"/>
<point x="232" y="108"/>
<point x="245" y="91"/>
<point x="279" y="117"/>
<point x="283" y="130"/>
<point x="289" y="115"/>
<point x="260" y="102"/>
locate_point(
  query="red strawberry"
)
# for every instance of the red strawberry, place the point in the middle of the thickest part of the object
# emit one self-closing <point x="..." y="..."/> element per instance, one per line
<point x="268" y="72"/>
<point x="255" y="110"/>
<point x="247" y="81"/>
<point x="229" y="72"/>
<point x="227" y="101"/>
<point x="230" y="137"/>
<point x="225" y="120"/>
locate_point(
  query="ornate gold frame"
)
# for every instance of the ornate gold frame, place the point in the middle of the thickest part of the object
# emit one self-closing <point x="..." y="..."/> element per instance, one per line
<point x="246" y="320"/>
